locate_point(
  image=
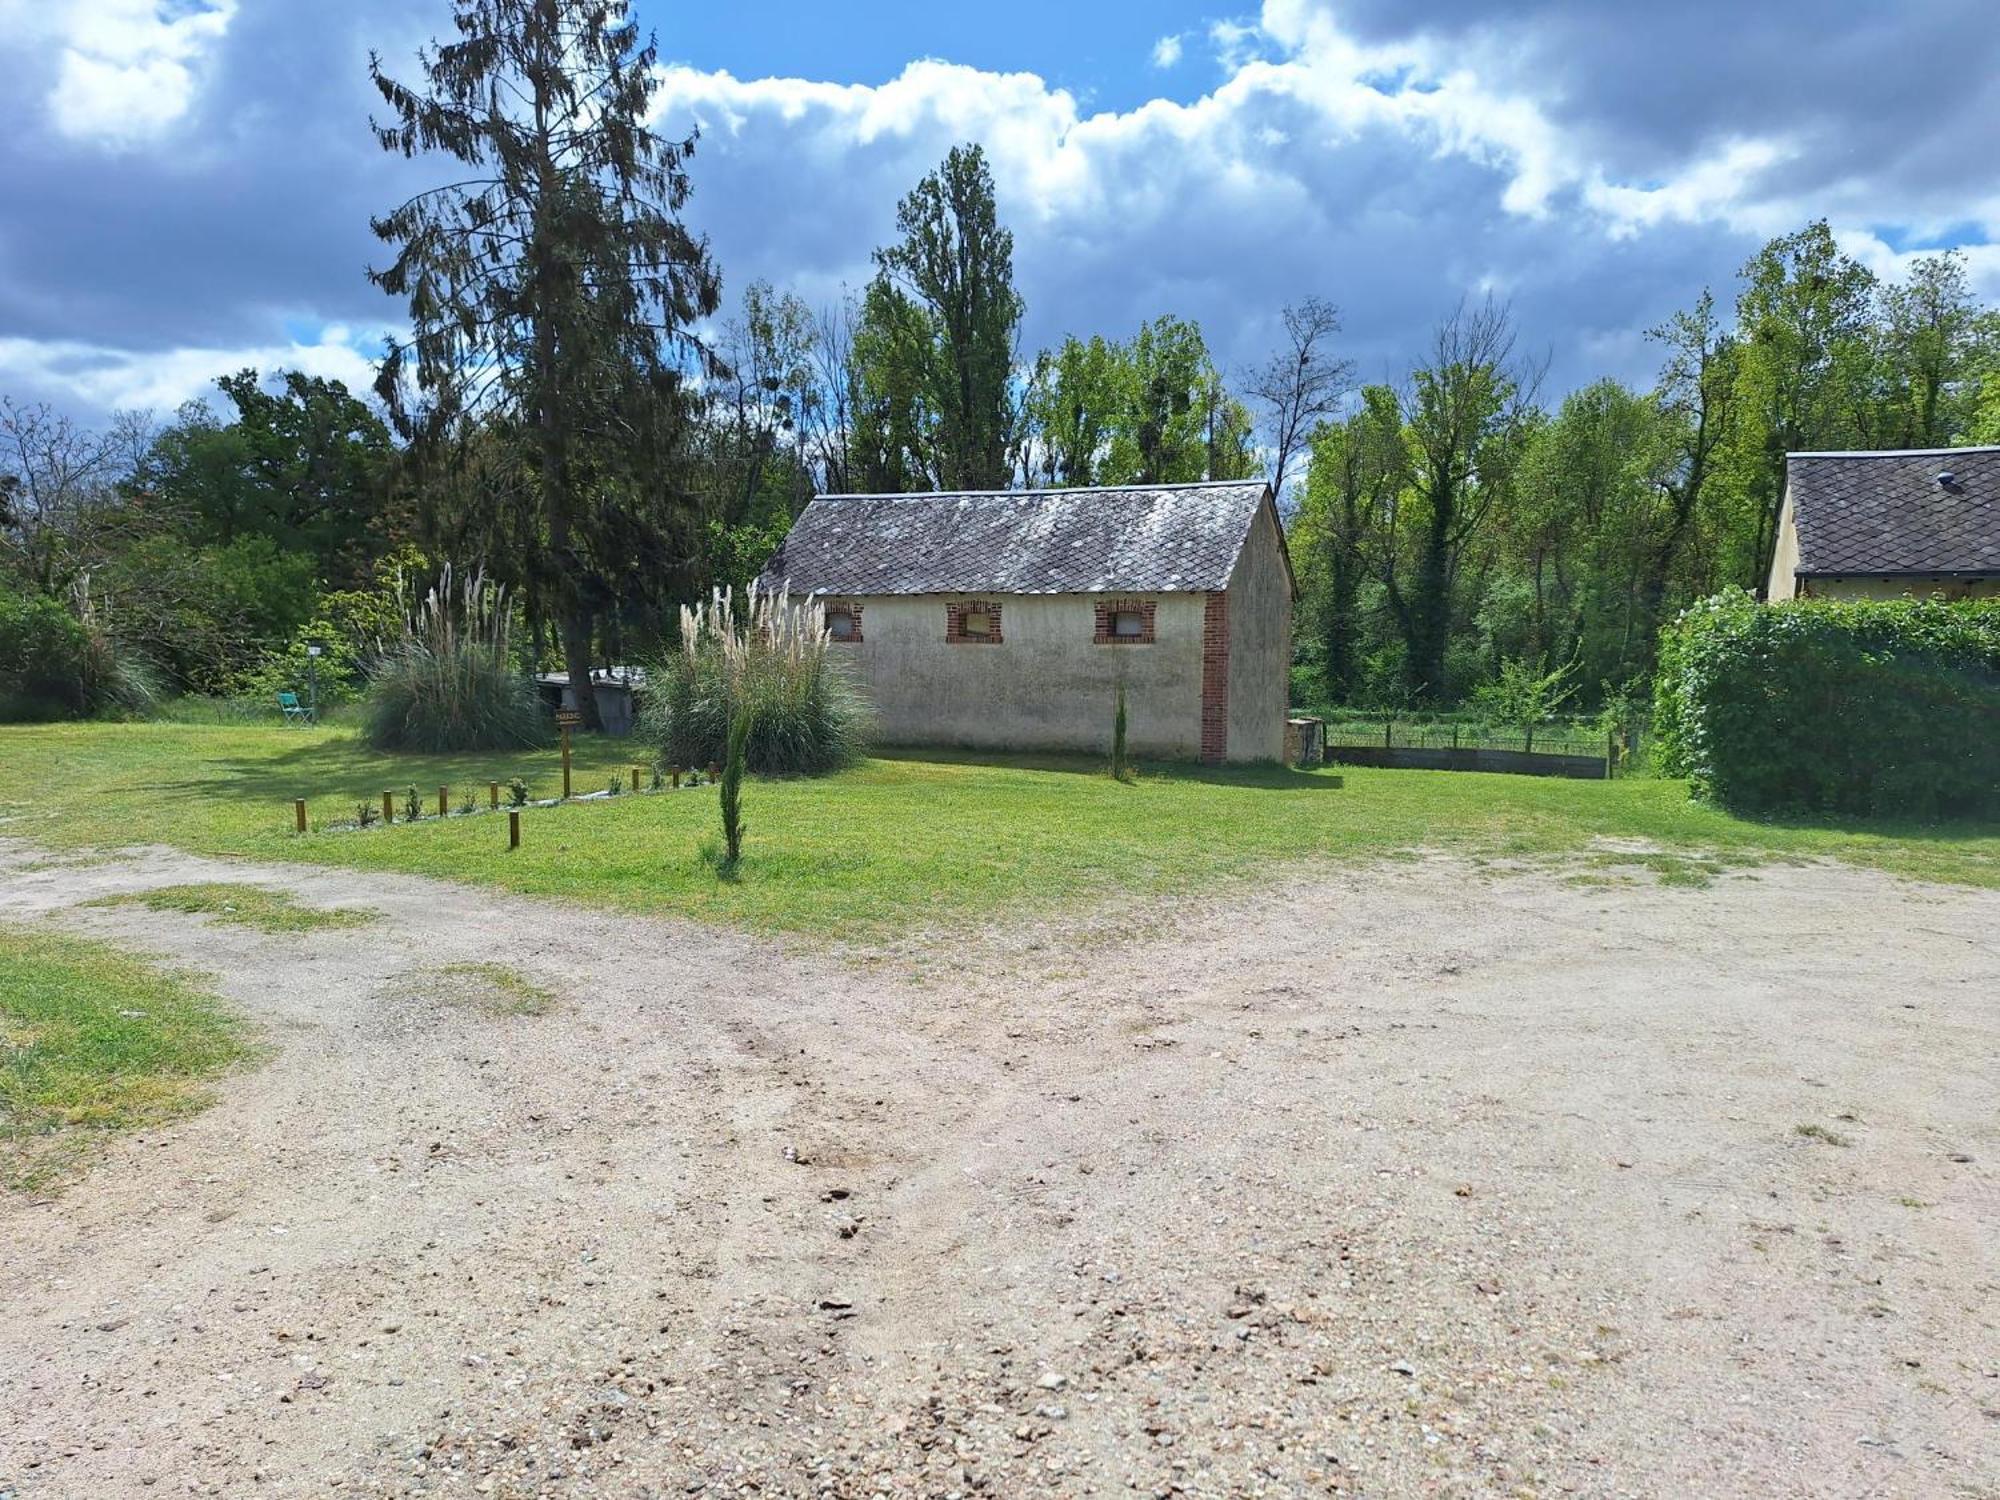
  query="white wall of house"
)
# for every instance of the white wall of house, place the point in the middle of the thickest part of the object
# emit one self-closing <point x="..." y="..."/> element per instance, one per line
<point x="1783" y="582"/>
<point x="1915" y="587"/>
<point x="1047" y="685"/>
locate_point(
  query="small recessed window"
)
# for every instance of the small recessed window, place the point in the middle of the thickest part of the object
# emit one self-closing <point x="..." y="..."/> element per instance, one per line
<point x="977" y="622"/>
<point x="840" y="624"/>
<point x="1128" y="622"/>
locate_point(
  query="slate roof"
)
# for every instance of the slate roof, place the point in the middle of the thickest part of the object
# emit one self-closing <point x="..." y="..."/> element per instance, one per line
<point x="1141" y="538"/>
<point x="1862" y="514"/>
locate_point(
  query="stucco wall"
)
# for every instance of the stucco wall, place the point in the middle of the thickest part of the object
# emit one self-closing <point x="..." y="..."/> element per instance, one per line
<point x="1900" y="588"/>
<point x="1260" y="645"/>
<point x="1785" y="555"/>
<point x="1046" y="685"/>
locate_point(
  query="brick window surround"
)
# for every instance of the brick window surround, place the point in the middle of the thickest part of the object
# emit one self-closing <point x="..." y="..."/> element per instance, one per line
<point x="1108" y="611"/>
<point x="832" y="607"/>
<point x="954" y="623"/>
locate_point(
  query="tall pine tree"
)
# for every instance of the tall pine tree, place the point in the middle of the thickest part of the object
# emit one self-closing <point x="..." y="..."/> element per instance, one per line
<point x="552" y="285"/>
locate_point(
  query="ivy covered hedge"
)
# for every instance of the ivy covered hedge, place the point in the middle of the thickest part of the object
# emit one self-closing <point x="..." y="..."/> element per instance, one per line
<point x="54" y="665"/>
<point x="1888" y="707"/>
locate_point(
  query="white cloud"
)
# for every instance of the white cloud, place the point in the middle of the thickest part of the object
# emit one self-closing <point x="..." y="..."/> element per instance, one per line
<point x="1057" y="159"/>
<point x="1386" y="156"/>
<point x="125" y="70"/>
<point x="1167" y="52"/>
<point x="132" y="380"/>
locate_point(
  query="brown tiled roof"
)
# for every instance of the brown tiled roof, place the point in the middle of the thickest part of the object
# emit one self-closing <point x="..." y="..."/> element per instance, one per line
<point x="1888" y="513"/>
<point x="1152" y="538"/>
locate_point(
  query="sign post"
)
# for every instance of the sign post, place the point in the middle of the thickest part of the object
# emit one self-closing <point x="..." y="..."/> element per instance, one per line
<point x="566" y="720"/>
<point x="312" y="677"/>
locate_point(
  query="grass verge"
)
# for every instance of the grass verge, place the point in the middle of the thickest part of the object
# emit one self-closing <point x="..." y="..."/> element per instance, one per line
<point x="494" y="988"/>
<point x="243" y="906"/>
<point x="95" y="1040"/>
<point x="896" y="845"/>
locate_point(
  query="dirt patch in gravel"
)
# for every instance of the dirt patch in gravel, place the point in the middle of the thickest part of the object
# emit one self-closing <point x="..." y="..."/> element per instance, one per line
<point x="1416" y="1181"/>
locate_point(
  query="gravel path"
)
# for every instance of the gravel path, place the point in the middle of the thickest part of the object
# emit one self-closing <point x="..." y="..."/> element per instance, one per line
<point x="1413" y="1181"/>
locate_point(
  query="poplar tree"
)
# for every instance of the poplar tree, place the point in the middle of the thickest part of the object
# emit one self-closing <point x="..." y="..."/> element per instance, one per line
<point x="952" y="273"/>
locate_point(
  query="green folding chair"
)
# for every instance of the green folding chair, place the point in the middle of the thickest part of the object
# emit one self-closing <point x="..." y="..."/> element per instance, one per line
<point x="294" y="711"/>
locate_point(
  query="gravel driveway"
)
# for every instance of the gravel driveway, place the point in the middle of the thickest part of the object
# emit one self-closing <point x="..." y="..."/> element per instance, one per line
<point x="1420" y="1180"/>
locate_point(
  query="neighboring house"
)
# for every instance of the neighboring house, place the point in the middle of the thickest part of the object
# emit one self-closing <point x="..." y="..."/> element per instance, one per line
<point x="1879" y="525"/>
<point x="1006" y="620"/>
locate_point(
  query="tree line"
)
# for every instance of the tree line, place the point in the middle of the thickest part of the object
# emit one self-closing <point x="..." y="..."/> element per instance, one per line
<point x="566" y="413"/>
<point x="1454" y="527"/>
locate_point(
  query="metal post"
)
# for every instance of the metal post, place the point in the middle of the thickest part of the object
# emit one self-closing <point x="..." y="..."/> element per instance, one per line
<point x="299" y="813"/>
<point x="513" y="830"/>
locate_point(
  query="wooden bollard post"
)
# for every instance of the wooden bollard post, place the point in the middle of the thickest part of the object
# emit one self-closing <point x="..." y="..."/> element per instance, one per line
<point x="444" y="801"/>
<point x="714" y="770"/>
<point x="513" y="829"/>
<point x="493" y="793"/>
<point x="388" y="807"/>
<point x="565" y="755"/>
<point x="635" y="778"/>
<point x="299" y="813"/>
<point x="674" y="776"/>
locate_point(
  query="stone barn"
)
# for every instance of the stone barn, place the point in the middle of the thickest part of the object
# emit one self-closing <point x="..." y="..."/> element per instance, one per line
<point x="1007" y="620"/>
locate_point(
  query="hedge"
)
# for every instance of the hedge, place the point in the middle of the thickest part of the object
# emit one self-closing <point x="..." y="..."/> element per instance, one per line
<point x="42" y="648"/>
<point x="1853" y="707"/>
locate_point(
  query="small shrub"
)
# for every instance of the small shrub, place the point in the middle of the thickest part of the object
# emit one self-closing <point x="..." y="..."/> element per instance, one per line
<point x="469" y="802"/>
<point x="1121" y="767"/>
<point x="517" y="793"/>
<point x="1523" y="697"/>
<point x="61" y="663"/>
<point x="806" y="718"/>
<point x="1866" y="708"/>
<point x="365" y="814"/>
<point x="451" y="683"/>
<point x="413" y="806"/>
<point x="732" y="789"/>
<point x="614" y="786"/>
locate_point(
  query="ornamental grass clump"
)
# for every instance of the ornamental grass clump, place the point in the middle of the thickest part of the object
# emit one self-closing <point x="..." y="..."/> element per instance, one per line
<point x="770" y="658"/>
<point x="451" y="682"/>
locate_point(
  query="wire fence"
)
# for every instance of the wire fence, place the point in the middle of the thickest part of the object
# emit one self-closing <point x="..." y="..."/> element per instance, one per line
<point x="1394" y="734"/>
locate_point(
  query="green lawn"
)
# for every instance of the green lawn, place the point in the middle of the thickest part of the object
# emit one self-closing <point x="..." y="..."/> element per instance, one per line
<point x="892" y="844"/>
<point x="91" y="1040"/>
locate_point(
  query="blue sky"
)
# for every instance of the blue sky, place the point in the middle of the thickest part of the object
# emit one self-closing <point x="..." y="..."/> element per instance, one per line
<point x="1100" y="52"/>
<point x="185" y="184"/>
